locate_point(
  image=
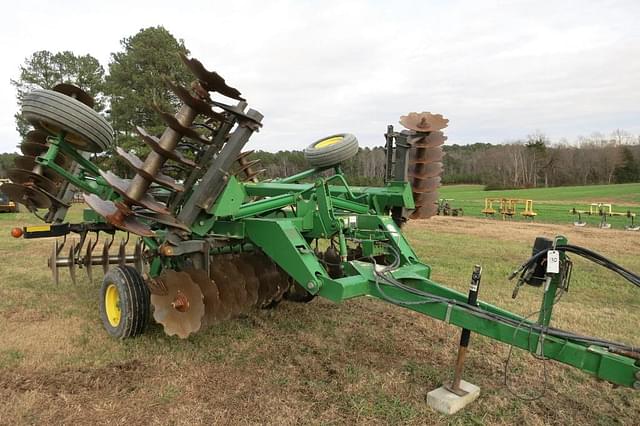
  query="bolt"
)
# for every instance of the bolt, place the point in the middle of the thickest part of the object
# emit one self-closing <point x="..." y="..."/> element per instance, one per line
<point x="638" y="374"/>
<point x="310" y="284"/>
<point x="636" y="385"/>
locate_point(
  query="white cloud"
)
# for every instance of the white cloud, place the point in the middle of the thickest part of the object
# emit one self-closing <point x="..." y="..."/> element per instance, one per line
<point x="498" y="70"/>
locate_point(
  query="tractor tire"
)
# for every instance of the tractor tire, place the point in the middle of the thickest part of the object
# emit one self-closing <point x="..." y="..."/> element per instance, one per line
<point x="332" y="150"/>
<point x="56" y="113"/>
<point x="124" y="302"/>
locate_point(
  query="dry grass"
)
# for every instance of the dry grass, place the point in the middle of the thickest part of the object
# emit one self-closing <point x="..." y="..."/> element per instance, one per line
<point x="362" y="362"/>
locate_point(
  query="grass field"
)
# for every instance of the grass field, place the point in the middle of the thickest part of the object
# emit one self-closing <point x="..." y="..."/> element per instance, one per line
<point x="552" y="204"/>
<point x="362" y="362"/>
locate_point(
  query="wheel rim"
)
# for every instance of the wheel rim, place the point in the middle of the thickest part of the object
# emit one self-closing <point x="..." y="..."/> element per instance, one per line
<point x="112" y="305"/>
<point x="329" y="141"/>
<point x="69" y="137"/>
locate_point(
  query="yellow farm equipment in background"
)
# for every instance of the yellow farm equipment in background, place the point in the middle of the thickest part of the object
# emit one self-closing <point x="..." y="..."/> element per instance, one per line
<point x="508" y="208"/>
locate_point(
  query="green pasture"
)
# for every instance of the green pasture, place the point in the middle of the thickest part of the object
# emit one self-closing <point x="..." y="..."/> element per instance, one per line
<point x="552" y="204"/>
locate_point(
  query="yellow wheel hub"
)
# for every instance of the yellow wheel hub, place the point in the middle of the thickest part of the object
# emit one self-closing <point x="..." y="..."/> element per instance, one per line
<point x="112" y="305"/>
<point x="329" y="141"/>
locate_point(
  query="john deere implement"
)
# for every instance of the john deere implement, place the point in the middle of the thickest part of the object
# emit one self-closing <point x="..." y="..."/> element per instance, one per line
<point x="214" y="242"/>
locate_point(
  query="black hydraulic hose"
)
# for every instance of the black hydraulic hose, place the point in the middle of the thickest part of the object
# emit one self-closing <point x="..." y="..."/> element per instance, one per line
<point x="587" y="254"/>
<point x="382" y="275"/>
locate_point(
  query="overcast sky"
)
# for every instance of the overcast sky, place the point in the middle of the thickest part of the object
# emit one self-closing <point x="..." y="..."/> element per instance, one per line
<point x="497" y="70"/>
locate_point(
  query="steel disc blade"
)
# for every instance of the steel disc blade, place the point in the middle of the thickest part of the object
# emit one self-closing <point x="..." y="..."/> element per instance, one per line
<point x="250" y="279"/>
<point x="268" y="276"/>
<point x="424" y="212"/>
<point x="121" y="186"/>
<point x="425" y="185"/>
<point x="228" y="298"/>
<point x="164" y="219"/>
<point x="75" y="92"/>
<point x="211" y="81"/>
<point x="423" y="121"/>
<point x="430" y="140"/>
<point x="154" y="143"/>
<point x="36" y="136"/>
<point x="28" y="162"/>
<point x="27" y="176"/>
<point x="213" y="311"/>
<point x="138" y="165"/>
<point x="174" y="124"/>
<point x="110" y="211"/>
<point x="425" y="170"/>
<point x="238" y="285"/>
<point x="284" y="283"/>
<point x="29" y="196"/>
<point x="33" y="148"/>
<point x="425" y="198"/>
<point x="425" y="155"/>
<point x="180" y="311"/>
<point x="199" y="105"/>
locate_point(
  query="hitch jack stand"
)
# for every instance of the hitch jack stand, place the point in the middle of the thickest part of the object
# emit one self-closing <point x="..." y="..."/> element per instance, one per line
<point x="465" y="336"/>
<point x="450" y="398"/>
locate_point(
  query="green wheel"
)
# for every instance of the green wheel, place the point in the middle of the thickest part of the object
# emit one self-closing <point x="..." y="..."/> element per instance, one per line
<point x="124" y="302"/>
<point x="331" y="150"/>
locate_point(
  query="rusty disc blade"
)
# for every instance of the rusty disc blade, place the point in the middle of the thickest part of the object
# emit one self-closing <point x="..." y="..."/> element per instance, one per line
<point x="180" y="311"/>
<point x="110" y="211"/>
<point x="164" y="219"/>
<point x="430" y="184"/>
<point x="424" y="212"/>
<point x="121" y="185"/>
<point x="240" y="115"/>
<point x="425" y="170"/>
<point x="423" y="121"/>
<point x="210" y="80"/>
<point x="284" y="283"/>
<point x="268" y="275"/>
<point x="228" y="297"/>
<point x="200" y="106"/>
<point x="429" y="140"/>
<point x="33" y="149"/>
<point x="36" y="136"/>
<point x="213" y="311"/>
<point x="138" y="165"/>
<point x="27" y="176"/>
<point x="75" y="92"/>
<point x="174" y="124"/>
<point x="154" y="143"/>
<point x="28" y="162"/>
<point x="29" y="196"/>
<point x="424" y="155"/>
<point x="238" y="283"/>
<point x="250" y="278"/>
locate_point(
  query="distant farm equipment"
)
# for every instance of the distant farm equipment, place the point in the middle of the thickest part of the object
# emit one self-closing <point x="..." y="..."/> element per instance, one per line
<point x="445" y="208"/>
<point x="508" y="208"/>
<point x="604" y="211"/>
<point x="6" y="205"/>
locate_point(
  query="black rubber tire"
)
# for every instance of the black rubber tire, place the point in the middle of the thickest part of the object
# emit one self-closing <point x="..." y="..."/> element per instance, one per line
<point x="134" y="302"/>
<point x="333" y="154"/>
<point x="56" y="112"/>
<point x="298" y="294"/>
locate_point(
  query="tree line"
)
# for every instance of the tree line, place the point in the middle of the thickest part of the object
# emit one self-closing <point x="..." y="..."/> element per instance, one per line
<point x="534" y="162"/>
<point x="132" y="86"/>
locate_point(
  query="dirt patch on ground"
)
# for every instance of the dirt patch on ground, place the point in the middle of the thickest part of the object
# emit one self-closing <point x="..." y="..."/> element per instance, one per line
<point x="607" y="240"/>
